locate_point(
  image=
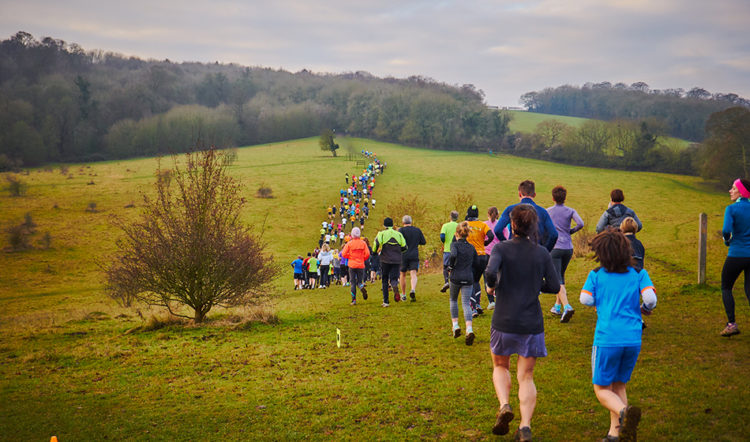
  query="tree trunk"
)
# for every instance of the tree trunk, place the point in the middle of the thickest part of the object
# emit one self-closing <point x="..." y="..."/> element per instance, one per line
<point x="199" y="316"/>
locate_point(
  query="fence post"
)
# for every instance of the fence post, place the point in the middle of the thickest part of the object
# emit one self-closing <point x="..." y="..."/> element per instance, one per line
<point x="702" y="248"/>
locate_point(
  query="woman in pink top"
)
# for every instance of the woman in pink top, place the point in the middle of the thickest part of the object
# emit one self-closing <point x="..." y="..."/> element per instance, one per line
<point x="493" y="215"/>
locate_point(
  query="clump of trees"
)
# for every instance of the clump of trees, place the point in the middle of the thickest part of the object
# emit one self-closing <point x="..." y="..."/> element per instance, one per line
<point x="189" y="247"/>
<point x="725" y="155"/>
<point x="683" y="113"/>
<point x="619" y="144"/>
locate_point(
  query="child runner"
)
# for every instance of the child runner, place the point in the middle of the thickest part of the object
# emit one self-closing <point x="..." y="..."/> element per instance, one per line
<point x="629" y="227"/>
<point x="615" y="290"/>
<point x="462" y="260"/>
<point x="356" y="251"/>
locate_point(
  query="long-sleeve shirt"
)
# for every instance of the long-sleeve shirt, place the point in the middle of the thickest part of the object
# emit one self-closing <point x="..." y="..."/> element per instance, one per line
<point x="561" y="216"/>
<point x="614" y="216"/>
<point x="525" y="269"/>
<point x="462" y="261"/>
<point x="546" y="232"/>
<point x="393" y="245"/>
<point x="736" y="229"/>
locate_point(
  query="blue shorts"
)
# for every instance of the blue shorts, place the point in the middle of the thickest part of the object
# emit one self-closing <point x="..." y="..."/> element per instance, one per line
<point x="613" y="364"/>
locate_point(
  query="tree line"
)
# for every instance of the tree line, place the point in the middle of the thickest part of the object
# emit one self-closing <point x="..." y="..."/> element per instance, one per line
<point x="683" y="113"/>
<point x="59" y="102"/>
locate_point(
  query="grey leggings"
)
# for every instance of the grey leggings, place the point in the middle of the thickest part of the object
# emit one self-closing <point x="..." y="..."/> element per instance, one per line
<point x="466" y="292"/>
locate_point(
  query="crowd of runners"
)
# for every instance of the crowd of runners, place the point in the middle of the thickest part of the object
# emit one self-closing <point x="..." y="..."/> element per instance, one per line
<point x="520" y="253"/>
<point x="330" y="262"/>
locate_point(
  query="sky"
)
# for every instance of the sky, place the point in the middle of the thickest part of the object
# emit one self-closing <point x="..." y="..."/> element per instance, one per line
<point x="503" y="47"/>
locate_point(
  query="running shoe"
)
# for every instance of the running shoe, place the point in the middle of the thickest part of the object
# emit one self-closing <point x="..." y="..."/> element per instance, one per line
<point x="474" y="313"/>
<point x="523" y="434"/>
<point x="456" y="332"/>
<point x="730" y="330"/>
<point x="445" y="287"/>
<point x="413" y="296"/>
<point x="354" y="302"/>
<point x="364" y="292"/>
<point x="491" y="306"/>
<point x="479" y="310"/>
<point x="610" y="438"/>
<point x="629" y="418"/>
<point x="469" y="338"/>
<point x="567" y="314"/>
<point x="396" y="296"/>
<point x="504" y="417"/>
<point x="385" y="304"/>
<point x="556" y="310"/>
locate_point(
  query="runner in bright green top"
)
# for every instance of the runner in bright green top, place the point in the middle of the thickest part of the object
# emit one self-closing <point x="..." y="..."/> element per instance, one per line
<point x="313" y="271"/>
<point x="447" y="235"/>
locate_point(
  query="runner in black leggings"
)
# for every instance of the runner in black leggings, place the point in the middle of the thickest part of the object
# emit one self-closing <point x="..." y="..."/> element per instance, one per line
<point x="736" y="233"/>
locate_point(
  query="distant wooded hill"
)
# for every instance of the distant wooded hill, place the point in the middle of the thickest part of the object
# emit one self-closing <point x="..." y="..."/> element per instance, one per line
<point x="683" y="114"/>
<point x="59" y="102"/>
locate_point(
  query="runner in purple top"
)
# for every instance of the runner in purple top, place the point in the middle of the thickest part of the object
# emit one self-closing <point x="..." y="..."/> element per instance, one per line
<point x="563" y="251"/>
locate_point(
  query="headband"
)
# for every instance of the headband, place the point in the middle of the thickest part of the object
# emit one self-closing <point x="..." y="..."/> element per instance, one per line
<point x="744" y="193"/>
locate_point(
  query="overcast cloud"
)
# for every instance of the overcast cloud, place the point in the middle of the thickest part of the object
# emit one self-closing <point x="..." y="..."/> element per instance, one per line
<point x="505" y="48"/>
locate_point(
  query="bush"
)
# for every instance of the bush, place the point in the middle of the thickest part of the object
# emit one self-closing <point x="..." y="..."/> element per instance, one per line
<point x="264" y="192"/>
<point x="189" y="247"/>
<point x="46" y="241"/>
<point x="19" y="237"/>
<point x="15" y="187"/>
<point x="91" y="208"/>
<point x="582" y="242"/>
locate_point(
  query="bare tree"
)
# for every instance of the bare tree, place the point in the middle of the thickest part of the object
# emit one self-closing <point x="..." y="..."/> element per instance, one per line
<point x="189" y="246"/>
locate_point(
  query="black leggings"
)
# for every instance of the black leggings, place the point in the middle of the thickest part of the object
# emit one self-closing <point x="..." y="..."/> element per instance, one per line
<point x="729" y="274"/>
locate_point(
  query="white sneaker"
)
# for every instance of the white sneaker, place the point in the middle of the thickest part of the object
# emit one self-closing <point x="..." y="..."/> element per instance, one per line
<point x="491" y="306"/>
<point x="385" y="305"/>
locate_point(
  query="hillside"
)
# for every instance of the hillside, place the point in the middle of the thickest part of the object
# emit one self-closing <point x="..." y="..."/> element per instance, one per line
<point x="526" y="122"/>
<point x="76" y="366"/>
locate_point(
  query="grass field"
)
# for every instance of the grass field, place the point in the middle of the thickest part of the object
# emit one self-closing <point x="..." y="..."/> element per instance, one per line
<point x="75" y="365"/>
<point x="526" y="122"/>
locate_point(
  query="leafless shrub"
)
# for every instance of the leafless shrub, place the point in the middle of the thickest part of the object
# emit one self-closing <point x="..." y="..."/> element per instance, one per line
<point x="46" y="241"/>
<point x="28" y="222"/>
<point x="189" y="247"/>
<point x="582" y="242"/>
<point x="264" y="192"/>
<point x="19" y="238"/>
<point x="15" y="186"/>
<point x="461" y="201"/>
<point x="411" y="205"/>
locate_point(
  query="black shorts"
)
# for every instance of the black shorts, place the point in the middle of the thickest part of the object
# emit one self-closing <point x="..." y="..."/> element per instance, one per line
<point x="409" y="264"/>
<point x="298" y="276"/>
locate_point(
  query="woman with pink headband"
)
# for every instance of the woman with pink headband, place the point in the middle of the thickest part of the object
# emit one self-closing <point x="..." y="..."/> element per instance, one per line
<point x="736" y="233"/>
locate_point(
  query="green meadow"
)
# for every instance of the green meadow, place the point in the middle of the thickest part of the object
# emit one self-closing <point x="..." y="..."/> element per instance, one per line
<point x="75" y="364"/>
